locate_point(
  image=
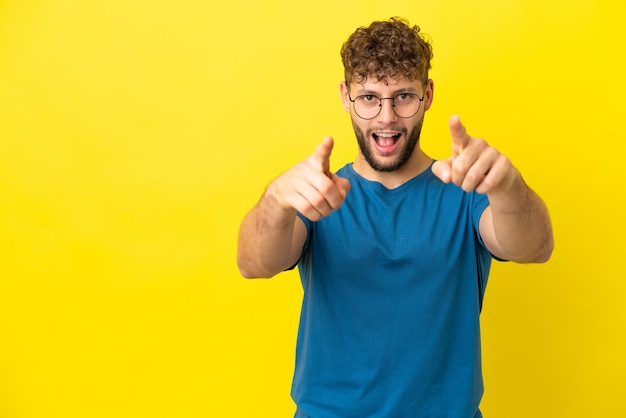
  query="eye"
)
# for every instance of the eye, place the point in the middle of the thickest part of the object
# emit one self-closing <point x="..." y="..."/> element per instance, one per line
<point x="369" y="98"/>
<point x="405" y="97"/>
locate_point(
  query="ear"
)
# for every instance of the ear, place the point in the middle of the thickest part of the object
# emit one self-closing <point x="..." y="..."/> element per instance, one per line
<point x="345" y="99"/>
<point x="428" y="94"/>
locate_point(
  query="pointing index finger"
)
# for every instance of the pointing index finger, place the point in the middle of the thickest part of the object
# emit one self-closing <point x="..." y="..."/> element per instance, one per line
<point x="460" y="137"/>
<point x="322" y="154"/>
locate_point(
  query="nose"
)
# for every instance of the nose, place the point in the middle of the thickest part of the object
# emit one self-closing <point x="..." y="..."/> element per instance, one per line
<point x="387" y="113"/>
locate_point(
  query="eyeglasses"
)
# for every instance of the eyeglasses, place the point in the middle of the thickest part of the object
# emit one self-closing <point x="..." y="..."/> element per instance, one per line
<point x="405" y="105"/>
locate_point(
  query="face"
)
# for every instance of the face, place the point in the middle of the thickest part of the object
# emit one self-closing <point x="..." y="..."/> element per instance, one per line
<point x="387" y="141"/>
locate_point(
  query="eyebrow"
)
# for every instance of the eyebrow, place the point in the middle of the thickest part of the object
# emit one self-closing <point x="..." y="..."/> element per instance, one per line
<point x="365" y="92"/>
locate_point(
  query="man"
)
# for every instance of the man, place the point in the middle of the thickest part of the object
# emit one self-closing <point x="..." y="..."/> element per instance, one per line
<point x="394" y="249"/>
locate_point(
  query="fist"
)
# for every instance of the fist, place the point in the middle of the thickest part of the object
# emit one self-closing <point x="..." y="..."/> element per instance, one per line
<point x="474" y="165"/>
<point x="310" y="187"/>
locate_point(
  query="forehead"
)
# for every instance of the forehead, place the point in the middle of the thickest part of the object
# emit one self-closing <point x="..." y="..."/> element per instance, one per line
<point x="386" y="85"/>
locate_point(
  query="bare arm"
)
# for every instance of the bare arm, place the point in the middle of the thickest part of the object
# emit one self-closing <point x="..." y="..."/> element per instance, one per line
<point x="516" y="225"/>
<point x="270" y="239"/>
<point x="271" y="236"/>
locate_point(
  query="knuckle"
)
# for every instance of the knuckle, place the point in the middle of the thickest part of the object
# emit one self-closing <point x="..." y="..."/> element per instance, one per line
<point x="313" y="216"/>
<point x="473" y="176"/>
<point x="317" y="200"/>
<point x="506" y="163"/>
<point x="489" y="183"/>
<point x="467" y="187"/>
<point x="459" y="168"/>
<point x="481" y="143"/>
<point x="492" y="153"/>
<point x="326" y="187"/>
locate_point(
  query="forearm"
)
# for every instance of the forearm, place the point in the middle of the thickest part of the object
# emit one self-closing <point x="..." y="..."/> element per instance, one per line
<point x="521" y="223"/>
<point x="265" y="239"/>
<point x="271" y="237"/>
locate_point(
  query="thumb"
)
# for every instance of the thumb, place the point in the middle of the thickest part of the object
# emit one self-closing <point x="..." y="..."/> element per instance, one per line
<point x="322" y="154"/>
<point x="460" y="137"/>
<point x="443" y="169"/>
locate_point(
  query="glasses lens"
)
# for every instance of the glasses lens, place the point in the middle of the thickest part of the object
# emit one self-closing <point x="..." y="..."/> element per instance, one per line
<point x="367" y="107"/>
<point x="405" y="105"/>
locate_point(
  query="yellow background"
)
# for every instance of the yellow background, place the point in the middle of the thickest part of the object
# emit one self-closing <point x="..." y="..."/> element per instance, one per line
<point x="134" y="136"/>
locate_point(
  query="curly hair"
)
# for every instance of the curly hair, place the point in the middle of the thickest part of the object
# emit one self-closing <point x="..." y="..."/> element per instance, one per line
<point x="386" y="49"/>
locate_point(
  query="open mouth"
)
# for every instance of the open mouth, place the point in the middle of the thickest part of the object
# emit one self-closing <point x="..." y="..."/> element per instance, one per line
<point x="386" y="139"/>
<point x="386" y="142"/>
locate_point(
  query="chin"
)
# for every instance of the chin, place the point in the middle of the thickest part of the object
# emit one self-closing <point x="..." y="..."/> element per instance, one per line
<point x="403" y="151"/>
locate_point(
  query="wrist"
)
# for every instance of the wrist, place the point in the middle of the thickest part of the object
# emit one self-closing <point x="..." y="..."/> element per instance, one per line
<point x="274" y="203"/>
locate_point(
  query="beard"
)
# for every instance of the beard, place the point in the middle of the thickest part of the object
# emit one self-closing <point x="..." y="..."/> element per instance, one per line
<point x="412" y="138"/>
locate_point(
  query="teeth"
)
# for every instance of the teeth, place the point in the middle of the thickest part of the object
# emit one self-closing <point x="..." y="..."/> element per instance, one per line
<point x="386" y="135"/>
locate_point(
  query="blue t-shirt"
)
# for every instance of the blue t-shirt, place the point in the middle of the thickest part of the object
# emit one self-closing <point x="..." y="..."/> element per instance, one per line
<point x="393" y="287"/>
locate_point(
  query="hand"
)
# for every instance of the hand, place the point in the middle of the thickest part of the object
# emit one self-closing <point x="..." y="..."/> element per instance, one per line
<point x="310" y="188"/>
<point x="474" y="165"/>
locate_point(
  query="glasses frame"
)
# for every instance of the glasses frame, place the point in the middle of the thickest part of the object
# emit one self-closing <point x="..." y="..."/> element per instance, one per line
<point x="393" y="104"/>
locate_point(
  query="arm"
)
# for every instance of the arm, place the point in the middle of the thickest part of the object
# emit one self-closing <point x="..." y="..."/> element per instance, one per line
<point x="270" y="239"/>
<point x="271" y="236"/>
<point x="516" y="225"/>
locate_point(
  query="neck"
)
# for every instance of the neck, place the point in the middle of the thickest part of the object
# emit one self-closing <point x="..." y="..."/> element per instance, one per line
<point x="416" y="165"/>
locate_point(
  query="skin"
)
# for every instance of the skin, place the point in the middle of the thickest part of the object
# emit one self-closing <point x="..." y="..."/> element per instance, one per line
<point x="388" y="122"/>
<point x="516" y="225"/>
